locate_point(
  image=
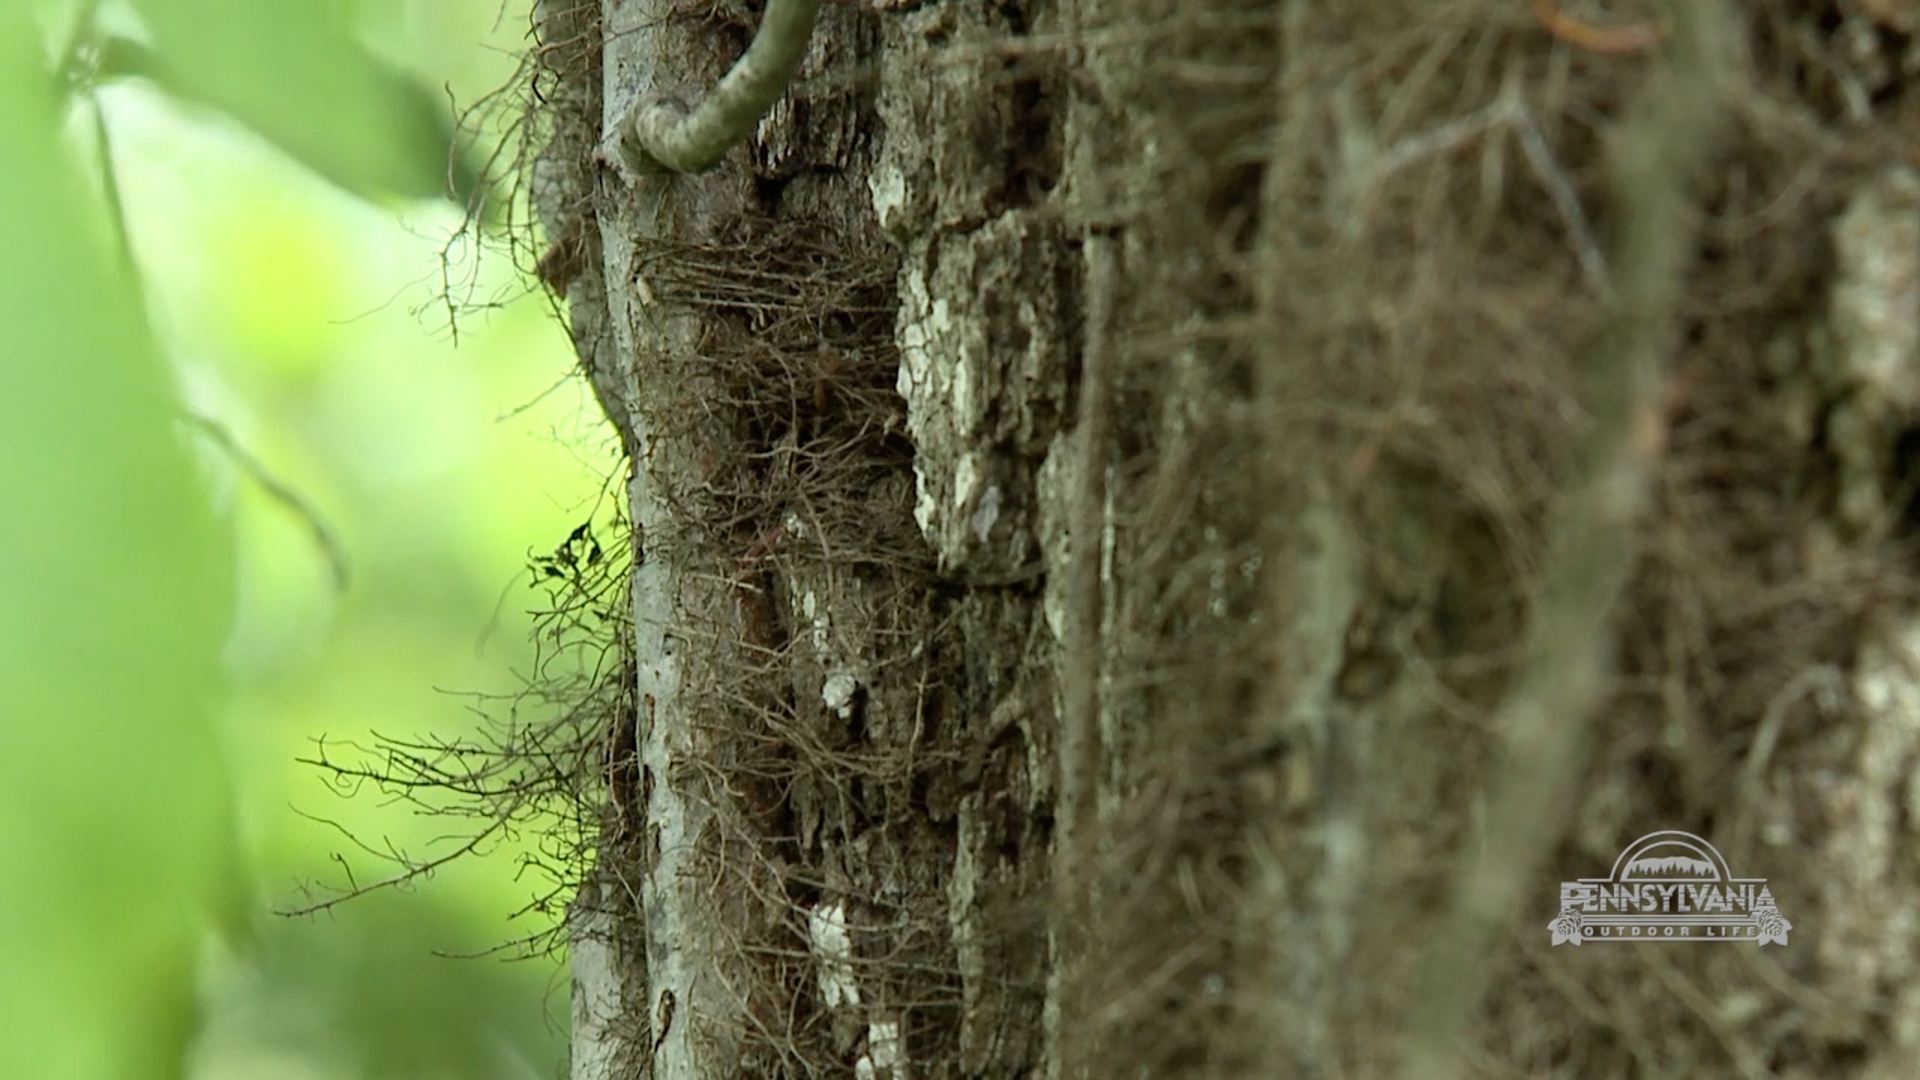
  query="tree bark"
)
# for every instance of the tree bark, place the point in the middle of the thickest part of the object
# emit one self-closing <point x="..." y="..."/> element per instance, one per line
<point x="1166" y="530"/>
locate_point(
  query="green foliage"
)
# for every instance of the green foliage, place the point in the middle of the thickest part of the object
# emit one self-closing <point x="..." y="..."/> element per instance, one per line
<point x="118" y="846"/>
<point x="115" y="838"/>
<point x="360" y="994"/>
<point x="294" y="72"/>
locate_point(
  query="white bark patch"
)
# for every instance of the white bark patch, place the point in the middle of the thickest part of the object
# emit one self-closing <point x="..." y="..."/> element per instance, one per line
<point x="986" y="512"/>
<point x="838" y="693"/>
<point x="886" y="1056"/>
<point x="819" y="624"/>
<point x="888" y="185"/>
<point x="966" y="480"/>
<point x="981" y="372"/>
<point x="925" y="323"/>
<point x="1874" y="319"/>
<point x="1870" y="939"/>
<point x="1876" y="302"/>
<point x="931" y="166"/>
<point x="928" y="357"/>
<point x="965" y="413"/>
<point x="827" y="928"/>
<point x="1057" y="475"/>
<point x="596" y="991"/>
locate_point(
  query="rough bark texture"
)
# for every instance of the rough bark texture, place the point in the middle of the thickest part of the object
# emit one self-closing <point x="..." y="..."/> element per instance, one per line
<point x="1104" y="472"/>
<point x="843" y="847"/>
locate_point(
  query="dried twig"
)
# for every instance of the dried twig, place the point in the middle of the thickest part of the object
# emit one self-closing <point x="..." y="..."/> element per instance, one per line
<point x="1079" y="739"/>
<point x="1590" y="558"/>
<point x="279" y="491"/>
<point x="1508" y="113"/>
<point x="1611" y="40"/>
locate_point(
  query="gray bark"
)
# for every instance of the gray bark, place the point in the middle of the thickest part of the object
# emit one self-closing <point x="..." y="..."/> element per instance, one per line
<point x="1104" y="469"/>
<point x="864" y="892"/>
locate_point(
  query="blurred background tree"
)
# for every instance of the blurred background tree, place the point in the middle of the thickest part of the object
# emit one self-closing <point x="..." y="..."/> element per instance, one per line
<point x="256" y="496"/>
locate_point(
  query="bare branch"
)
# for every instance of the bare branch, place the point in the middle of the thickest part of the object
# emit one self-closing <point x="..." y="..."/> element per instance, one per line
<point x="664" y="133"/>
<point x="1591" y="551"/>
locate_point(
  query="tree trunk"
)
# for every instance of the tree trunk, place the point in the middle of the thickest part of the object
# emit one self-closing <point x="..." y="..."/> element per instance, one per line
<point x="1166" y="530"/>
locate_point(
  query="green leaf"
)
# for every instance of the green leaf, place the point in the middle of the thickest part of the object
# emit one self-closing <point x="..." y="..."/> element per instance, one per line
<point x="116" y="843"/>
<point x="293" y="72"/>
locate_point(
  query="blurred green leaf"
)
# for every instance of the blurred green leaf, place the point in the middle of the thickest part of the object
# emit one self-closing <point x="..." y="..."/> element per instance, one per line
<point x="115" y="835"/>
<point x="294" y="73"/>
<point x="363" y="987"/>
